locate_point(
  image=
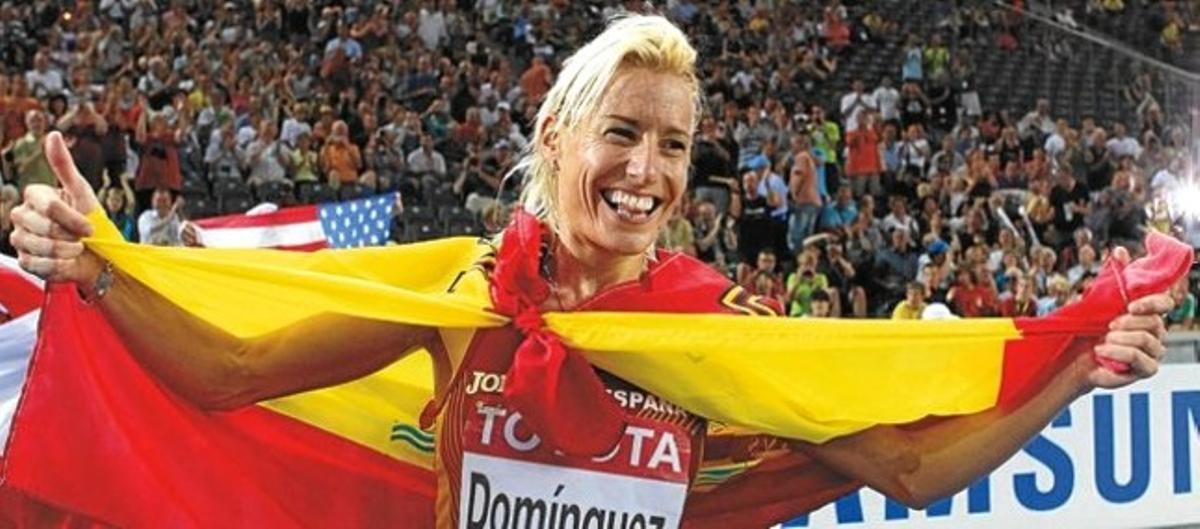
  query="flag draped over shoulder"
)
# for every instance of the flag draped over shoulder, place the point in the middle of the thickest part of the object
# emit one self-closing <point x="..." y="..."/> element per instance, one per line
<point x="97" y="435"/>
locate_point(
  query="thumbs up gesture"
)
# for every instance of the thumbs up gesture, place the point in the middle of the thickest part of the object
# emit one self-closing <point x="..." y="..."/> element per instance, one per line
<point x="49" y="224"/>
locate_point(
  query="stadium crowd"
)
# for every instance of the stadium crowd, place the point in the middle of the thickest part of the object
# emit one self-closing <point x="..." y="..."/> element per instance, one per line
<point x="906" y="197"/>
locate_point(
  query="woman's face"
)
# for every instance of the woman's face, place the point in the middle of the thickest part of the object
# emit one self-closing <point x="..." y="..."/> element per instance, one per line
<point x="115" y="201"/>
<point x="622" y="172"/>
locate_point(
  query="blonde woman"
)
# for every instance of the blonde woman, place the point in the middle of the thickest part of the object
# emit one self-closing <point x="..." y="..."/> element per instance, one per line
<point x="607" y="168"/>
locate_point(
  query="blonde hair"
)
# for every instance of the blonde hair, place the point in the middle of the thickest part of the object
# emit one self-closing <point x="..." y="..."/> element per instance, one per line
<point x="638" y="41"/>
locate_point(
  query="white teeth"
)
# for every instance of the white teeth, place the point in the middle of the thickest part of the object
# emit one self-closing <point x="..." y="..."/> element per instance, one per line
<point x="641" y="204"/>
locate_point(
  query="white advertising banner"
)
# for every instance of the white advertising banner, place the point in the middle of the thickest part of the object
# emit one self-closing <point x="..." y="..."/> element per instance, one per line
<point x="1126" y="458"/>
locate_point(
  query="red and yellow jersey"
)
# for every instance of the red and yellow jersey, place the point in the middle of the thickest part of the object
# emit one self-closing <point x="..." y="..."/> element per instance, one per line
<point x="492" y="469"/>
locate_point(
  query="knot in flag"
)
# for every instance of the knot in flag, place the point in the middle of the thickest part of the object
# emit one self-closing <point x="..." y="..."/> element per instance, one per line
<point x="554" y="388"/>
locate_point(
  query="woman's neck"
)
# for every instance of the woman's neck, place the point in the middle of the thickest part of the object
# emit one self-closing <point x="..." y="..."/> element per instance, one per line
<point x="579" y="271"/>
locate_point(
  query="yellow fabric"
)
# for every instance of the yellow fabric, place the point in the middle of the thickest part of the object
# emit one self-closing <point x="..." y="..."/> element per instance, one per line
<point x="807" y="379"/>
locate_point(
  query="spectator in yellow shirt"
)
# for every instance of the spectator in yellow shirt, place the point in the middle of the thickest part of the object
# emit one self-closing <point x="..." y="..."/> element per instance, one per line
<point x="912" y="305"/>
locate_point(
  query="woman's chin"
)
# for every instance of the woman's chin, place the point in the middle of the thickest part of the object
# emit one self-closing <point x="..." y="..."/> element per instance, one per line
<point x="619" y="242"/>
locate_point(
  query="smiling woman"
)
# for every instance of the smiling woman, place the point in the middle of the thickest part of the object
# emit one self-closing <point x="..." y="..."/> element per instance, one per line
<point x="524" y="427"/>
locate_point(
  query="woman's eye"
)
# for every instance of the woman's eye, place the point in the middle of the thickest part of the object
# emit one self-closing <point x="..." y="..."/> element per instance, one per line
<point x="676" y="145"/>
<point x="624" y="134"/>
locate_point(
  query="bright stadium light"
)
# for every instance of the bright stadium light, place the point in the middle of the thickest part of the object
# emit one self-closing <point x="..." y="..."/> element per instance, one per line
<point x="1186" y="200"/>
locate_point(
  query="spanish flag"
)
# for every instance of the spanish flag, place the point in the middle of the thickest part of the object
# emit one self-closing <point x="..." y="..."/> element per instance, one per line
<point x="98" y="440"/>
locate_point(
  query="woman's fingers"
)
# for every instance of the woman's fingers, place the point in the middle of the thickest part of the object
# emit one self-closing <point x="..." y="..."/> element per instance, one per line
<point x="48" y="203"/>
<point x="39" y="246"/>
<point x="1140" y="364"/>
<point x="1151" y="323"/>
<point x="1140" y="340"/>
<point x="47" y="267"/>
<point x="1153" y="304"/>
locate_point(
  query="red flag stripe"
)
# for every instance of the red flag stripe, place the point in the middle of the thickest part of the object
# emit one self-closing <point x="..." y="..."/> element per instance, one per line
<point x="97" y="431"/>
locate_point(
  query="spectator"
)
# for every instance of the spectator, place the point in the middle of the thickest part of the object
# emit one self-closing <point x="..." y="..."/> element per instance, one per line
<point x="841" y="212"/>
<point x="713" y="165"/>
<point x="888" y="100"/>
<point x="28" y="155"/>
<point x="340" y="159"/>
<point x="937" y="59"/>
<point x="1087" y="265"/>
<point x="1122" y="144"/>
<point x="752" y="134"/>
<point x="972" y="295"/>
<point x="756" y="229"/>
<point x="1058" y="294"/>
<point x="763" y="280"/>
<point x="266" y="157"/>
<point x="805" y="187"/>
<point x="913" y="304"/>
<point x="1022" y="304"/>
<point x="160" y="225"/>
<point x="948" y="159"/>
<point x="895" y="266"/>
<point x="914" y="105"/>
<point x="157" y="144"/>
<point x="863" y="163"/>
<point x="536" y="80"/>
<point x="821" y="305"/>
<point x="303" y="163"/>
<point x="1070" y="201"/>
<point x="44" y="80"/>
<point x="678" y="235"/>
<point x="1183" y="316"/>
<point x="86" y="128"/>
<point x="1035" y="126"/>
<point x="802" y="283"/>
<point x="9" y="198"/>
<point x="119" y="205"/>
<point x="912" y="69"/>
<point x="913" y="153"/>
<point x="898" y="218"/>
<point x="854" y="104"/>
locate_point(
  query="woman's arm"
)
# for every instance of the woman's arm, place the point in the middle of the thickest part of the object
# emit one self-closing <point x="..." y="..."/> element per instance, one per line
<point x="216" y="370"/>
<point x="921" y="465"/>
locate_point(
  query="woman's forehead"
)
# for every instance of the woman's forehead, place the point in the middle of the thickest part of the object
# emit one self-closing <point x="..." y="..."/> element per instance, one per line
<point x="651" y="99"/>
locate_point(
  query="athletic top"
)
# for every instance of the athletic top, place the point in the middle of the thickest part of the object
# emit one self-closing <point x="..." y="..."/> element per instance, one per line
<point x="493" y="471"/>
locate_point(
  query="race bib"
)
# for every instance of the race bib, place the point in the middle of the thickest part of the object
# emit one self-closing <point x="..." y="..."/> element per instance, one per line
<point x="510" y="480"/>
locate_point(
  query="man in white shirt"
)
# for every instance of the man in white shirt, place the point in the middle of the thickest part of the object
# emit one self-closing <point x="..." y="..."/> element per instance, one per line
<point x="1037" y="123"/>
<point x="43" y="80"/>
<point x="426" y="160"/>
<point x="1057" y="142"/>
<point x="888" y="99"/>
<point x="854" y="103"/>
<point x="160" y="225"/>
<point x="1122" y="144"/>
<point x="432" y="28"/>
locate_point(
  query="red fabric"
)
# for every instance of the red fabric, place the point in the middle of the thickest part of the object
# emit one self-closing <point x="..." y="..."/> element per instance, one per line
<point x="18" y="294"/>
<point x="1045" y="339"/>
<point x="97" y="436"/>
<point x="554" y="388"/>
<point x="774" y="491"/>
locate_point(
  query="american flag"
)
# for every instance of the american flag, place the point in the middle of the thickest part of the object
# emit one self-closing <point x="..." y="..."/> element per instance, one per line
<point x="20" y="306"/>
<point x="351" y="224"/>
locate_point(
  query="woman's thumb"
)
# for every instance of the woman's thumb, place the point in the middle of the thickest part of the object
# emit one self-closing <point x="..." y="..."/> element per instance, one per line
<point x="83" y="198"/>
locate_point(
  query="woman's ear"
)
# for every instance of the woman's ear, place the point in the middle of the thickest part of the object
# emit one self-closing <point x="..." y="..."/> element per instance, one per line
<point x="549" y="139"/>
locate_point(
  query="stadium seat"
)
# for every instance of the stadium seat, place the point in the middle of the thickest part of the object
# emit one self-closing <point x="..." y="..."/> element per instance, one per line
<point x="199" y="207"/>
<point x="425" y="231"/>
<point x="276" y="192"/>
<point x="352" y="191"/>
<point x="236" y="204"/>
<point x="230" y="187"/>
<point x="316" y="194"/>
<point x="419" y="214"/>
<point x="193" y="188"/>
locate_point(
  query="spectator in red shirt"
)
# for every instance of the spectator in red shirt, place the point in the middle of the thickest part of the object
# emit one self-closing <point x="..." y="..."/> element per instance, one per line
<point x="972" y="295"/>
<point x="863" y="164"/>
<point x="536" y="80"/>
<point x="1023" y="302"/>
